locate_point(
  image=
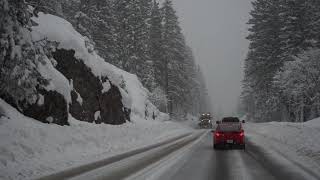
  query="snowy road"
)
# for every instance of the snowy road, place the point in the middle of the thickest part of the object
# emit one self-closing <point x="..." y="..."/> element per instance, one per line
<point x="193" y="157"/>
<point x="204" y="163"/>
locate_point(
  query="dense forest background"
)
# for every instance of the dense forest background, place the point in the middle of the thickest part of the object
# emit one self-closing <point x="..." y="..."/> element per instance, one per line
<point x="138" y="36"/>
<point x="282" y="68"/>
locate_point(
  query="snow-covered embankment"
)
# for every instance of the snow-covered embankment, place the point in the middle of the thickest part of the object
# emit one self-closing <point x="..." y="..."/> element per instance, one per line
<point x="301" y="139"/>
<point x="29" y="148"/>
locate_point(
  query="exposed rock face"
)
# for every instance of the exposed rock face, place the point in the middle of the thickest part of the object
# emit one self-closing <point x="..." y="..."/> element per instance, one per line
<point x="53" y="110"/>
<point x="92" y="105"/>
<point x="88" y="102"/>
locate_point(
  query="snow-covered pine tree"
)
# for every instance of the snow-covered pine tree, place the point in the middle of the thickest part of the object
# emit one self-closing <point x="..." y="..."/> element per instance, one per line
<point x="19" y="78"/>
<point x="174" y="49"/>
<point x="300" y="34"/>
<point x="133" y="37"/>
<point x="300" y="84"/>
<point x="179" y="65"/>
<point x="47" y="6"/>
<point x="314" y="23"/>
<point x="296" y="16"/>
<point x="204" y="100"/>
<point x="105" y="32"/>
<point x="264" y="58"/>
<point x="86" y="18"/>
<point x="281" y="31"/>
<point x="156" y="46"/>
<point x="191" y="85"/>
<point x="70" y="9"/>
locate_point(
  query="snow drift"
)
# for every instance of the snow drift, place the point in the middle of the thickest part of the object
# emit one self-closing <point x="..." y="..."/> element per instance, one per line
<point x="302" y="137"/>
<point x="29" y="148"/>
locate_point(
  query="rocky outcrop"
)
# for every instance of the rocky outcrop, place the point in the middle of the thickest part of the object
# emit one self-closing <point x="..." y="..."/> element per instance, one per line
<point x="89" y="103"/>
<point x="51" y="107"/>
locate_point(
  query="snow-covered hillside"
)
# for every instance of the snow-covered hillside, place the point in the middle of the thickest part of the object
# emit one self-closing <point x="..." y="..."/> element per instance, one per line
<point x="134" y="95"/>
<point x="29" y="148"/>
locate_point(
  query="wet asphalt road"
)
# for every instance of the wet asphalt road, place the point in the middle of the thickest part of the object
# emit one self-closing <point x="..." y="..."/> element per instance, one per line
<point x="205" y="163"/>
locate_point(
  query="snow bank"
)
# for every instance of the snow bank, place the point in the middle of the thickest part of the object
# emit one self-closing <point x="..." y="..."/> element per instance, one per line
<point x="302" y="137"/>
<point x="30" y="149"/>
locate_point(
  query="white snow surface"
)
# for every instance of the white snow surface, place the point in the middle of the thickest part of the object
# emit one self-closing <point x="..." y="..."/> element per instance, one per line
<point x="30" y="149"/>
<point x="40" y="101"/>
<point x="79" y="98"/>
<point x="301" y="138"/>
<point x="97" y="115"/>
<point x="106" y="87"/>
<point x="58" y="81"/>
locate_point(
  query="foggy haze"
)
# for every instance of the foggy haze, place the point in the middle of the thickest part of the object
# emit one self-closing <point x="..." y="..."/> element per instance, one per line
<point x="216" y="31"/>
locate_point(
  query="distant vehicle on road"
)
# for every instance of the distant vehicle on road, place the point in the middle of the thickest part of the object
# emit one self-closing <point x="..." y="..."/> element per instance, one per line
<point x="231" y="120"/>
<point x="229" y="132"/>
<point x="205" y="121"/>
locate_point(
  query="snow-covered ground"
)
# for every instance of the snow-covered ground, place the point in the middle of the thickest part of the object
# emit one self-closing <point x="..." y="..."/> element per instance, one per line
<point x="29" y="149"/>
<point x="191" y="121"/>
<point x="299" y="138"/>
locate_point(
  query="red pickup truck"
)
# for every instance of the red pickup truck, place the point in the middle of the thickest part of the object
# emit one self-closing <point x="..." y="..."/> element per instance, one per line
<point x="229" y="132"/>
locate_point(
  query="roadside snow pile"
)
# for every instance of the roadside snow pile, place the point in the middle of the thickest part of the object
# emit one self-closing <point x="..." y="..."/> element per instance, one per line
<point x="29" y="149"/>
<point x="303" y="137"/>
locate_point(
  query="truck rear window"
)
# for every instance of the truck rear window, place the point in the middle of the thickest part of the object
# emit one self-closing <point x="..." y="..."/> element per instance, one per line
<point x="229" y="127"/>
<point x="230" y="119"/>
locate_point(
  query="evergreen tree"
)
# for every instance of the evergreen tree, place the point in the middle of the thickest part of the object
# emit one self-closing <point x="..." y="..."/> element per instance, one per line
<point x="300" y="84"/>
<point x="156" y="46"/>
<point x="204" y="100"/>
<point x="281" y="31"/>
<point x="173" y="46"/>
<point x="264" y="59"/>
<point x="133" y="37"/>
<point x="295" y="19"/>
<point x="47" y="6"/>
<point x="141" y="38"/>
<point x="19" y="58"/>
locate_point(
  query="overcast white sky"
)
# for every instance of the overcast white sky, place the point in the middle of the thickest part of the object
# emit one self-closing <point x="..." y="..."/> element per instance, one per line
<point x="216" y="30"/>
